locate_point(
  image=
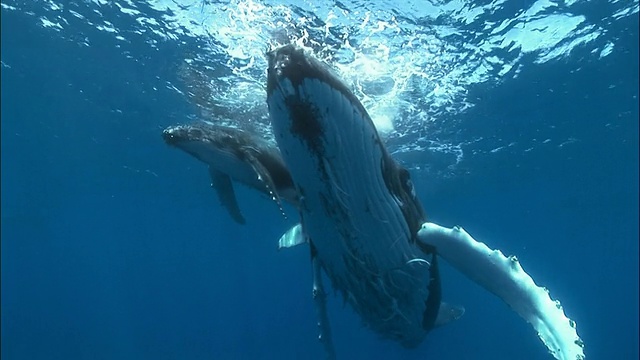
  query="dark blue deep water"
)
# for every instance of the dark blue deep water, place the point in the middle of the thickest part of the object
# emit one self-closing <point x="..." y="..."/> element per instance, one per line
<point x="115" y="247"/>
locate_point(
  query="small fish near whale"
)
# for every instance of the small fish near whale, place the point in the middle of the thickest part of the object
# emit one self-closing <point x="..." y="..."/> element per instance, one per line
<point x="361" y="217"/>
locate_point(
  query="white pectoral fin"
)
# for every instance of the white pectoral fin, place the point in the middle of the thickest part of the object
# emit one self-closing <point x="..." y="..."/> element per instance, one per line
<point x="504" y="277"/>
<point x="294" y="236"/>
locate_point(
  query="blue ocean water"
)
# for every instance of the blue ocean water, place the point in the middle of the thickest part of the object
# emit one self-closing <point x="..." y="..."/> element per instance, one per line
<point x="518" y="119"/>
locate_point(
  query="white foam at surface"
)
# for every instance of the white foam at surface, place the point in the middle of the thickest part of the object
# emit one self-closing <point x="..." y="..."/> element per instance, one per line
<point x="607" y="50"/>
<point x="50" y="24"/>
<point x="432" y="63"/>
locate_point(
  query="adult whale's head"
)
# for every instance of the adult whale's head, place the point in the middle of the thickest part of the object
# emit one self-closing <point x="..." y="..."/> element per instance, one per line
<point x="358" y="206"/>
<point x="234" y="155"/>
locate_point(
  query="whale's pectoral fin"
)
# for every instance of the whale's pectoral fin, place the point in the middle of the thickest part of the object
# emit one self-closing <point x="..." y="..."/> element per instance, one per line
<point x="292" y="237"/>
<point x="504" y="277"/>
<point x="448" y="313"/>
<point x="224" y="188"/>
<point x="264" y="177"/>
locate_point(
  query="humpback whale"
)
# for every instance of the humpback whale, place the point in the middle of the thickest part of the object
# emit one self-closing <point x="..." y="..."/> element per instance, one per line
<point x="234" y="154"/>
<point x="365" y="226"/>
<point x="358" y="207"/>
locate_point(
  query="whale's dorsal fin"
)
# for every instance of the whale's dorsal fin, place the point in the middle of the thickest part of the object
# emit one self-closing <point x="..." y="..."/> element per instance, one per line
<point x="224" y="188"/>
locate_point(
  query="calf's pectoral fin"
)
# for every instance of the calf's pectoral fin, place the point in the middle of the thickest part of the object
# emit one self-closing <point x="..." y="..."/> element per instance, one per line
<point x="504" y="277"/>
<point x="224" y="188"/>
<point x="263" y="175"/>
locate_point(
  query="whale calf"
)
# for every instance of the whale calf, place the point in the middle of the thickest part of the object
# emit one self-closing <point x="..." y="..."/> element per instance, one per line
<point x="235" y="155"/>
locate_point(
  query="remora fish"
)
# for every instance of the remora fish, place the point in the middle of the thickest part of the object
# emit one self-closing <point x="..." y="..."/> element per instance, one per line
<point x="365" y="226"/>
<point x="233" y="154"/>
